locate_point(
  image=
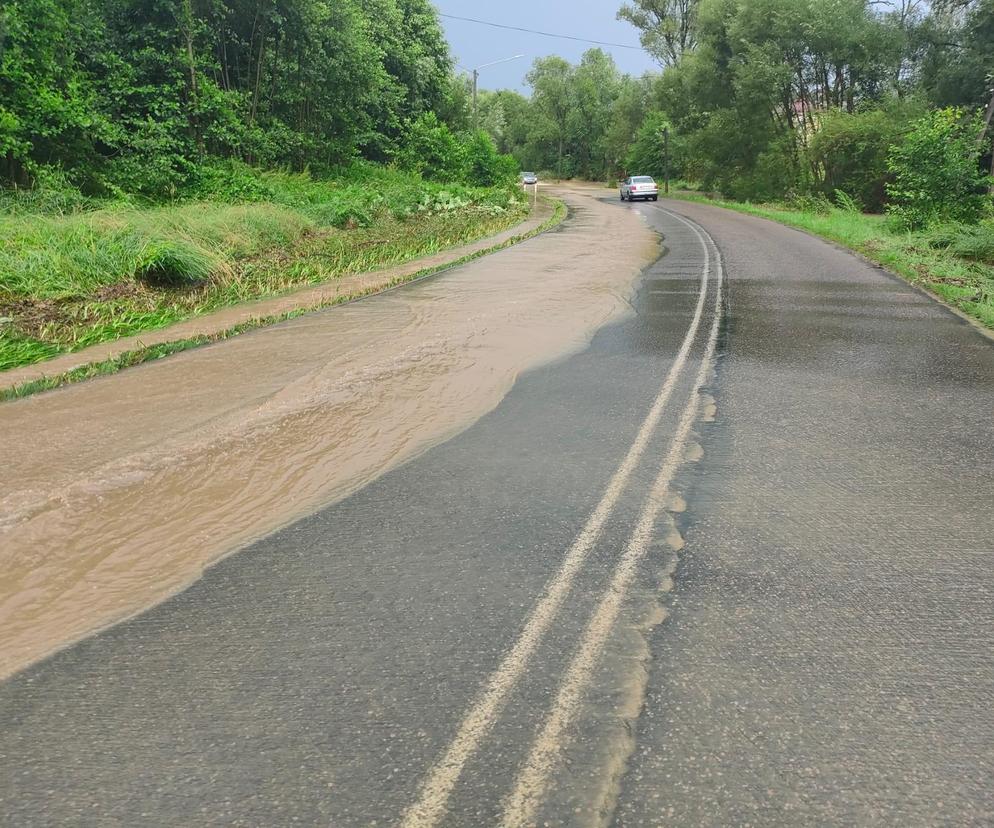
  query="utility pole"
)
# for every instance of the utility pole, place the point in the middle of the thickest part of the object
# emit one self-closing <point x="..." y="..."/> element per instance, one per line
<point x="476" y="78"/>
<point x="666" y="160"/>
<point x="476" y="119"/>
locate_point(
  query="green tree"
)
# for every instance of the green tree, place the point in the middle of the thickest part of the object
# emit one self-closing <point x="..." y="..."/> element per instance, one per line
<point x="629" y="110"/>
<point x="595" y="84"/>
<point x="957" y="66"/>
<point x="551" y="80"/>
<point x="49" y="112"/>
<point x="645" y="156"/>
<point x="668" y="27"/>
<point x="751" y="96"/>
<point x="136" y="95"/>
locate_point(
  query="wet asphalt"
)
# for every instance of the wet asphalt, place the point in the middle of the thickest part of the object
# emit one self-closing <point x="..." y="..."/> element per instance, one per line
<point x="829" y="654"/>
<point x="826" y="652"/>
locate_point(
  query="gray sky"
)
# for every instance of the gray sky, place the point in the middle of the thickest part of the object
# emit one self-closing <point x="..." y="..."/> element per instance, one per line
<point x="473" y="44"/>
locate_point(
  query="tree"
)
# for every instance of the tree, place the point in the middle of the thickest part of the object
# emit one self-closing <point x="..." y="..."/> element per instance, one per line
<point x="751" y="96"/>
<point x="48" y="108"/>
<point x="552" y="94"/>
<point x="629" y="111"/>
<point x="645" y="156"/>
<point x="668" y="27"/>
<point x="957" y="65"/>
<point x="595" y="83"/>
<point x="135" y="94"/>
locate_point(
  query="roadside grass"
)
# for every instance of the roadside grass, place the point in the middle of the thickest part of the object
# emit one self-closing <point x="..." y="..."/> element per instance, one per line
<point x="954" y="262"/>
<point x="75" y="275"/>
<point x="150" y="353"/>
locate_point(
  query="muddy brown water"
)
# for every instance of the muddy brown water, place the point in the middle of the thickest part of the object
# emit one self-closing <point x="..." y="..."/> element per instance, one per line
<point x="118" y="492"/>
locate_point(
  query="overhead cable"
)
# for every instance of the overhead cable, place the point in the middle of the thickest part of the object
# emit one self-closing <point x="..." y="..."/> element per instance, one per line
<point x="536" y="32"/>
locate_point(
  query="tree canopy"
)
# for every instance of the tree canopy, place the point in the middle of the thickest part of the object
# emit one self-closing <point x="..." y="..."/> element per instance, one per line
<point x="765" y="98"/>
<point x="130" y="93"/>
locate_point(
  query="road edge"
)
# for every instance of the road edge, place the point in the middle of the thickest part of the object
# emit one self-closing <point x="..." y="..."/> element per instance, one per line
<point x="979" y="326"/>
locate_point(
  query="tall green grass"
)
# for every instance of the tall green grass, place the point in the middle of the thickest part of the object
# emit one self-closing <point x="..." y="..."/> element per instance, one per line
<point x="54" y="257"/>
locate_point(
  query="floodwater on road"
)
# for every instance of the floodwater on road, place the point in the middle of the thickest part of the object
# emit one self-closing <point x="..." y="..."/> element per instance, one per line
<point x="117" y="492"/>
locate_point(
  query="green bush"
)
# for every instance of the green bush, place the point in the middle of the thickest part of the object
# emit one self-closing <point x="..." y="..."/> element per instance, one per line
<point x="645" y="155"/>
<point x="483" y="166"/>
<point x="937" y="174"/>
<point x="431" y="150"/>
<point x="232" y="182"/>
<point x="851" y="149"/>
<point x="155" y="163"/>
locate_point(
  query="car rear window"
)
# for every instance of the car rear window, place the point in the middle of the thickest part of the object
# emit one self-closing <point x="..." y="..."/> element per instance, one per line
<point x="642" y="179"/>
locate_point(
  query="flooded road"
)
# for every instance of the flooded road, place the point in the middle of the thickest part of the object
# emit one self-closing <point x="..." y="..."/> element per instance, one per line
<point x="117" y="492"/>
<point x="729" y="562"/>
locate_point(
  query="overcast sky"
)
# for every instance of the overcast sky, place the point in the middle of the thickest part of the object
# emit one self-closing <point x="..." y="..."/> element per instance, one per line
<point x="473" y="44"/>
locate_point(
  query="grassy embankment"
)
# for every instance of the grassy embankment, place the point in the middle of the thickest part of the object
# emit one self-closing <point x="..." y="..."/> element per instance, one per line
<point x="954" y="262"/>
<point x="75" y="273"/>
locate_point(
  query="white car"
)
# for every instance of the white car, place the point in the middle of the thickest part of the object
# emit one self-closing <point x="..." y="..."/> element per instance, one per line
<point x="639" y="186"/>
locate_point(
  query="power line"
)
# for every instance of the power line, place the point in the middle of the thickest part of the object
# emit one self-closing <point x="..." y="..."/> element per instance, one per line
<point x="544" y="34"/>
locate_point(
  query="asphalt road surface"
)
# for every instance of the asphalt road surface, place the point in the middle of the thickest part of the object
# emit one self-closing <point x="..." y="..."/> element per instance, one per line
<point x="732" y="564"/>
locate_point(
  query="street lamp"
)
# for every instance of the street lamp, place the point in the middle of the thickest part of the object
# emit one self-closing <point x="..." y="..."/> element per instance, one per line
<point x="476" y="75"/>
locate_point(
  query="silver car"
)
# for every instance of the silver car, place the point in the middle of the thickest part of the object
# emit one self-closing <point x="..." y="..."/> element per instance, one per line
<point x="529" y="178"/>
<point x="639" y="186"/>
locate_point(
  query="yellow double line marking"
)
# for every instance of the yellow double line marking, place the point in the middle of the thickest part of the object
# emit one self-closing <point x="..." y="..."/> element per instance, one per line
<point x="521" y="805"/>
<point x="479" y="719"/>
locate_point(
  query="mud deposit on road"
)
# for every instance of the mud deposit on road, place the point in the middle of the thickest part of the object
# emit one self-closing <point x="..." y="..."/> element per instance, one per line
<point x="117" y="492"/>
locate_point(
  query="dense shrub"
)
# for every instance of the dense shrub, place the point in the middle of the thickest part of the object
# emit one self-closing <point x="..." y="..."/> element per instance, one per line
<point x="937" y="174"/>
<point x="851" y="149"/>
<point x="430" y="149"/>
<point x="483" y="166"/>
